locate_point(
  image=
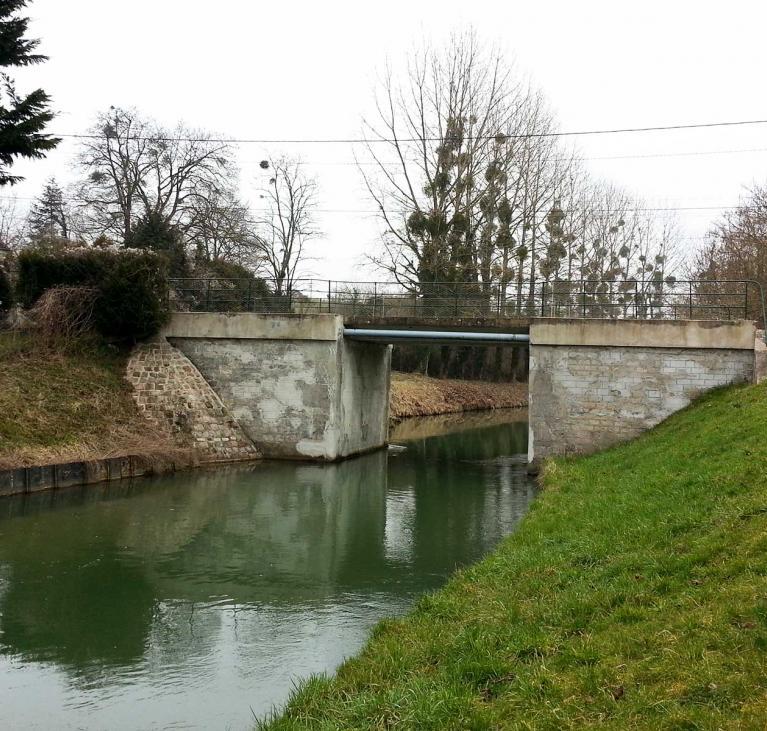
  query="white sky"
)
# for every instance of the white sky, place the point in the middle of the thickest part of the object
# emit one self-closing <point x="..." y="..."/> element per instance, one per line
<point x="308" y="70"/>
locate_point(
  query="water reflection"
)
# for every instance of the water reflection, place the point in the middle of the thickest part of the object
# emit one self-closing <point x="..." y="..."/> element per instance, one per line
<point x="188" y="601"/>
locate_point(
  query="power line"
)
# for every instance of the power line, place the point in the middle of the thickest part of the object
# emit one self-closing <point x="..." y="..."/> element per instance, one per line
<point x="377" y="140"/>
<point x="652" y="155"/>
<point x="638" y="209"/>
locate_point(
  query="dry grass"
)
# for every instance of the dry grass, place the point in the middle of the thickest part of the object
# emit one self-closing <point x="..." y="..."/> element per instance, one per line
<point x="64" y="314"/>
<point x="68" y="405"/>
<point x="414" y="395"/>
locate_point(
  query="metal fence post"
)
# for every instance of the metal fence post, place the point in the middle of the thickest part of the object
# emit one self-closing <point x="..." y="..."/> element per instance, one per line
<point x="543" y="299"/>
<point x="690" y="300"/>
<point x="375" y="298"/>
<point x="207" y="297"/>
<point x="329" y="295"/>
<point x="249" y="303"/>
<point x="745" y="302"/>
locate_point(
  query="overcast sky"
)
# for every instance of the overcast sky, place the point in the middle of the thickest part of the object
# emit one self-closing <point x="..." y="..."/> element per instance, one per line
<point x="307" y="70"/>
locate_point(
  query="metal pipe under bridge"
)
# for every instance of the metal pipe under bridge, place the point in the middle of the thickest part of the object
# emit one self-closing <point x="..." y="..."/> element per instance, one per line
<point x="434" y="337"/>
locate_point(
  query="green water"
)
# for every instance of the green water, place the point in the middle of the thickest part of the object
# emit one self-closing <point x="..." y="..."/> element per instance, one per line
<point x="195" y="601"/>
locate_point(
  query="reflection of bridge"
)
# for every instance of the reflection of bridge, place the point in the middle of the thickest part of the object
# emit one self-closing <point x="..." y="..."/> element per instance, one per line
<point x="651" y="299"/>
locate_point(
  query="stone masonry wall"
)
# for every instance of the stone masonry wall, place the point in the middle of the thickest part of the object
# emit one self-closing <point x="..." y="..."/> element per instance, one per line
<point x="171" y="391"/>
<point x="585" y="398"/>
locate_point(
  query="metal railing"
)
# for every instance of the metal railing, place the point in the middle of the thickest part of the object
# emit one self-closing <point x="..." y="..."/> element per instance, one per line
<point x="604" y="299"/>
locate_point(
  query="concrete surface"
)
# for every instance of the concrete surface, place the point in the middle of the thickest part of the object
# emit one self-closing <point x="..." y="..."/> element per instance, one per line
<point x="294" y="385"/>
<point x="596" y="383"/>
<point x="249" y="326"/>
<point x="728" y="335"/>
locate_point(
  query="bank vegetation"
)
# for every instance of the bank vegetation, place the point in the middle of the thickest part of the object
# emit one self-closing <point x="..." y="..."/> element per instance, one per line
<point x="415" y="395"/>
<point x="71" y="404"/>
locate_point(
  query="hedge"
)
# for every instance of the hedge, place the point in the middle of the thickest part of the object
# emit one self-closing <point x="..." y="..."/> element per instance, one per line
<point x="6" y="291"/>
<point x="132" y="285"/>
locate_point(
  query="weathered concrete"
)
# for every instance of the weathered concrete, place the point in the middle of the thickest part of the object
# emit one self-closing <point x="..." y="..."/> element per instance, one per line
<point x="726" y="335"/>
<point x="596" y="383"/>
<point x="249" y="326"/>
<point x="760" y="358"/>
<point x="294" y="385"/>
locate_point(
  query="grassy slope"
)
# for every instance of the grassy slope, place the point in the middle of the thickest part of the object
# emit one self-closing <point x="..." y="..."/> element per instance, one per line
<point x="633" y="596"/>
<point x="63" y="405"/>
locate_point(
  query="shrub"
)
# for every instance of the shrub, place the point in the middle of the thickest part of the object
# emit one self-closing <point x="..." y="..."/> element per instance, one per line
<point x="222" y="286"/>
<point x="132" y="300"/>
<point x="153" y="232"/>
<point x="6" y="291"/>
<point x="64" y="313"/>
<point x="236" y="289"/>
<point x="42" y="268"/>
<point x="134" y="297"/>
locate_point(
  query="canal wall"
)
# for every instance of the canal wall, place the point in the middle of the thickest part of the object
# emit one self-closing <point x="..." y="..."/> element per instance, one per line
<point x="594" y="383"/>
<point x="22" y="480"/>
<point x="296" y="388"/>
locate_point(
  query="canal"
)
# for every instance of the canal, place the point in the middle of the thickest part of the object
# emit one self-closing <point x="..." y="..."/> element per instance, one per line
<point x="197" y="600"/>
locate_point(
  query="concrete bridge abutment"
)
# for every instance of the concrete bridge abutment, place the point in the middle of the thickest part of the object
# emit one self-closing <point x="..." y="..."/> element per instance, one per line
<point x="295" y="386"/>
<point x="594" y="383"/>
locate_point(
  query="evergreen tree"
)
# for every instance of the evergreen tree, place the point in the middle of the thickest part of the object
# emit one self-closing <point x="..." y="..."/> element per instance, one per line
<point x="23" y="119"/>
<point x="153" y="231"/>
<point x="49" y="217"/>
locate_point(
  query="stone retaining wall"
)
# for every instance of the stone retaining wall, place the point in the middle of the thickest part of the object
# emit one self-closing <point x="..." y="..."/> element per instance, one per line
<point x="170" y="390"/>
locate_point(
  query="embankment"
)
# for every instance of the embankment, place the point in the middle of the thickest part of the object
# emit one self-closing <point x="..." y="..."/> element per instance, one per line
<point x="414" y="395"/>
<point x="74" y="404"/>
<point x="70" y="405"/>
<point x="632" y="596"/>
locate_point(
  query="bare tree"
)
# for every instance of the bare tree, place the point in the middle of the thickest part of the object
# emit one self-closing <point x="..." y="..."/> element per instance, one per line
<point x="469" y="172"/>
<point x="222" y="229"/>
<point x="288" y="224"/>
<point x="11" y="226"/>
<point x="473" y="185"/>
<point x="439" y="127"/>
<point x="736" y="249"/>
<point x="132" y="167"/>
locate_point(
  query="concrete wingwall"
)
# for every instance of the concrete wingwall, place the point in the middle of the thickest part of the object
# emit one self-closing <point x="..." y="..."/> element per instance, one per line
<point x="594" y="383"/>
<point x="294" y="385"/>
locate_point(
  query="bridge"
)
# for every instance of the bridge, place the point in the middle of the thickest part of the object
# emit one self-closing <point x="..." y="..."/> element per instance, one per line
<point x="306" y="384"/>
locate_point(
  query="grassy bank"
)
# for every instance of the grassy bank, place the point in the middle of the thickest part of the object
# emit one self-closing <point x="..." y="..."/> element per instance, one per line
<point x="414" y="395"/>
<point x="68" y="405"/>
<point x="633" y="596"/>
